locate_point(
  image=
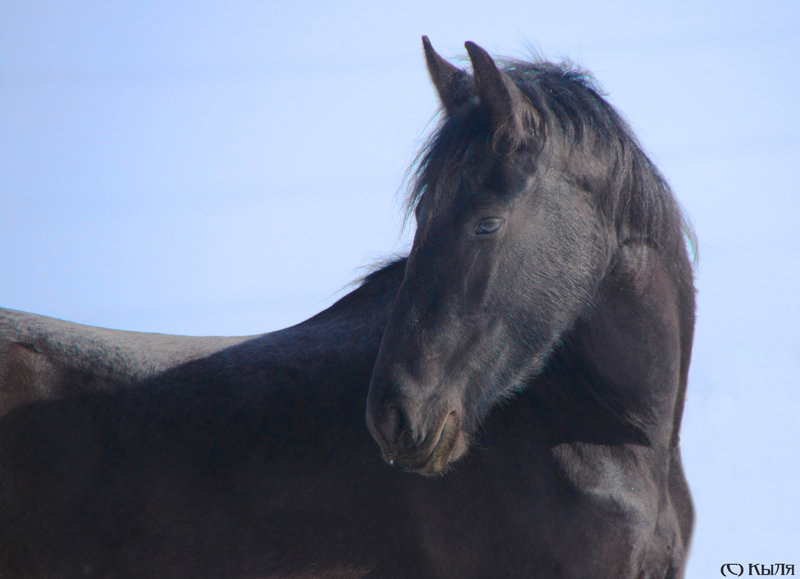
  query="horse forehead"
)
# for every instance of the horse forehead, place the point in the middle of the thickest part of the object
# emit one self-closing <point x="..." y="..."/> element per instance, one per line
<point x="444" y="206"/>
<point x="441" y="208"/>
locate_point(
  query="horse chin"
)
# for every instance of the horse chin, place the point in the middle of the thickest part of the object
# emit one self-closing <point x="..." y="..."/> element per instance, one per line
<point x="450" y="446"/>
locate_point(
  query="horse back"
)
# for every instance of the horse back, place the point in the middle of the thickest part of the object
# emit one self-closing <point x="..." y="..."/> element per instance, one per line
<point x="45" y="358"/>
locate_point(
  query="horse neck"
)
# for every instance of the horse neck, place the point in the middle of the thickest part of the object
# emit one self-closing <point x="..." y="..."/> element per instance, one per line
<point x="620" y="373"/>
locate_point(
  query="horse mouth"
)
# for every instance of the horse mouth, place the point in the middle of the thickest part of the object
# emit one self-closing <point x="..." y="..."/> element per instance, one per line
<point x="435" y="462"/>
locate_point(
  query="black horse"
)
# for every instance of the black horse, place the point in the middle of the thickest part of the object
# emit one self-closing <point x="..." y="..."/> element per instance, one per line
<point x="529" y="357"/>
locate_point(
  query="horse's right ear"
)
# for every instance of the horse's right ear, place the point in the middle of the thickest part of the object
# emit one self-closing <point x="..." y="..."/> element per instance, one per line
<point x="452" y="83"/>
<point x="510" y="111"/>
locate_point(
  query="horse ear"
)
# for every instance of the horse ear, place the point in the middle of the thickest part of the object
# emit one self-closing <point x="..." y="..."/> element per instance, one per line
<point x="510" y="111"/>
<point x="450" y="81"/>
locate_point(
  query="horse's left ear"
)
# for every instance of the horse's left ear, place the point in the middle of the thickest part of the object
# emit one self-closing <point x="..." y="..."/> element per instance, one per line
<point x="510" y="112"/>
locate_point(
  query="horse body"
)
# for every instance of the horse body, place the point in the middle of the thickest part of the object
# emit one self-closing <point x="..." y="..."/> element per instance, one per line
<point x="529" y="359"/>
<point x="250" y="461"/>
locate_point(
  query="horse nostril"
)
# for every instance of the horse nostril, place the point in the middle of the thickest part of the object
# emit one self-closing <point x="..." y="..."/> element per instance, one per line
<point x="396" y="429"/>
<point x="392" y="424"/>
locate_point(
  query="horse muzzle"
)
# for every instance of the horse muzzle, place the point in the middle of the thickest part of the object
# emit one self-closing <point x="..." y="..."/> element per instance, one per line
<point x="411" y="449"/>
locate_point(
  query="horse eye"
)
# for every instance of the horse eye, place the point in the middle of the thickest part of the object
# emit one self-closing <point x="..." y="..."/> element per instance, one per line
<point x="488" y="226"/>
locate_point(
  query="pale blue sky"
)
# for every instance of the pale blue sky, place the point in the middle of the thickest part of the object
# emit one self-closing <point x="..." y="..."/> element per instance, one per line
<point x="192" y="167"/>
